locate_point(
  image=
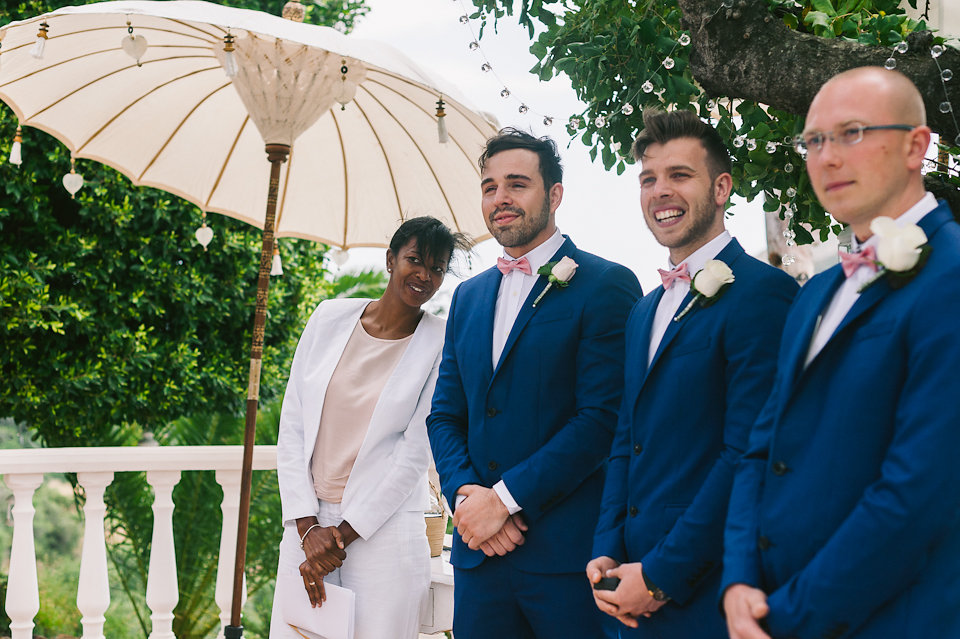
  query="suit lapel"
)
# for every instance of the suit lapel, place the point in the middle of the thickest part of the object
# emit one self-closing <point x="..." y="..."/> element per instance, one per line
<point x="483" y="326"/>
<point x="527" y="310"/>
<point x="807" y="325"/>
<point x="646" y="327"/>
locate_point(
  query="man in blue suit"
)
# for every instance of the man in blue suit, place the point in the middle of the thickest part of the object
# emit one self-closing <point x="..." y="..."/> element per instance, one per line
<point x="698" y="365"/>
<point x="525" y="407"/>
<point x="845" y="515"/>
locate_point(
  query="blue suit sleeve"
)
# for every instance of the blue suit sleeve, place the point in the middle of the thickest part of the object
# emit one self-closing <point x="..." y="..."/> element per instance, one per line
<point x="885" y="540"/>
<point x="447" y="423"/>
<point x="580" y="447"/>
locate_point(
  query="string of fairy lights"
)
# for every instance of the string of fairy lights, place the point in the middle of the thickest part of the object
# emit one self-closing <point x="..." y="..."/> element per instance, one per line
<point x="73" y="181"/>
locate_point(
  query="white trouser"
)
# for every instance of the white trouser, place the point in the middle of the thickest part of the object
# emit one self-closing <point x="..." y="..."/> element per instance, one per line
<point x="389" y="573"/>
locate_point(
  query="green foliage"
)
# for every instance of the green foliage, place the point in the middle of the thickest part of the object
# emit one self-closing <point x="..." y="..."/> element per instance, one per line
<point x="610" y="49"/>
<point x="114" y="322"/>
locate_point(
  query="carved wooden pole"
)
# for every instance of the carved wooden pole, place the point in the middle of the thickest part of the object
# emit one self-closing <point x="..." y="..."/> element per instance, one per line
<point x="277" y="154"/>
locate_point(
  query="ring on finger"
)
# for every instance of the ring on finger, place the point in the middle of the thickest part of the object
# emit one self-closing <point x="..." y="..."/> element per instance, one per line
<point x="313" y="583"/>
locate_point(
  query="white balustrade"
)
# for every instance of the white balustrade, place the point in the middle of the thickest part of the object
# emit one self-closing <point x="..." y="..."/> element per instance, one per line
<point x="162" y="592"/>
<point x="229" y="481"/>
<point x="93" y="593"/>
<point x="23" y="470"/>
<point x="23" y="599"/>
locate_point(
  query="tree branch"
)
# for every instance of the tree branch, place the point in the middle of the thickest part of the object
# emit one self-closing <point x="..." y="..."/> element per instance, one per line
<point x="747" y="52"/>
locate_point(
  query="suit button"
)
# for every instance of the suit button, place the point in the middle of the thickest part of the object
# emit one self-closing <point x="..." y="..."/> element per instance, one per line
<point x="491" y="412"/>
<point x="780" y="468"/>
<point x="492" y="465"/>
<point x="633" y="511"/>
<point x="763" y="543"/>
<point x="637" y="449"/>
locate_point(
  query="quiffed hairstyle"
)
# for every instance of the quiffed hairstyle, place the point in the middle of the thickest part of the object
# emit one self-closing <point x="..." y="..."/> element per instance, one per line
<point x="435" y="241"/>
<point x="546" y="149"/>
<point x="659" y="127"/>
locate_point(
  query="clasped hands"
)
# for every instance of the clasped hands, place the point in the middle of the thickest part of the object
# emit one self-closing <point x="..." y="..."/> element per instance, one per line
<point x="325" y="550"/>
<point x="631" y="599"/>
<point x="484" y="523"/>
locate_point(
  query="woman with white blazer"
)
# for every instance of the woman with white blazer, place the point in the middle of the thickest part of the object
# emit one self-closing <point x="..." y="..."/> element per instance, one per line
<point x="352" y="452"/>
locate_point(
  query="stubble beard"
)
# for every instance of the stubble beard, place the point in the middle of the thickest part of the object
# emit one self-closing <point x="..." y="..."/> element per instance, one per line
<point x="523" y="233"/>
<point x="700" y="224"/>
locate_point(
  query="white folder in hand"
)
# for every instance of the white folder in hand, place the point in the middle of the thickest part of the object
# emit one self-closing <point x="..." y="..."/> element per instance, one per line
<point x="333" y="620"/>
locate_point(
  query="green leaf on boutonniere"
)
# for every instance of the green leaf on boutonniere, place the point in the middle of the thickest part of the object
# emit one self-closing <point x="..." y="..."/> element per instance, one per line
<point x="898" y="279"/>
<point x="707" y="301"/>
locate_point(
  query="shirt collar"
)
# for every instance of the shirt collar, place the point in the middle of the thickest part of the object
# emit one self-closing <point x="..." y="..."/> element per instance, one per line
<point x="540" y="255"/>
<point x="696" y="260"/>
<point x="913" y="215"/>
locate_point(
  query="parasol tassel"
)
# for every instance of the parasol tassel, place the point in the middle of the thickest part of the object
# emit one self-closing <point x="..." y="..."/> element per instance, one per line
<point x="229" y="58"/>
<point x="15" y="155"/>
<point x="37" y="49"/>
<point x="442" y="134"/>
<point x="276" y="267"/>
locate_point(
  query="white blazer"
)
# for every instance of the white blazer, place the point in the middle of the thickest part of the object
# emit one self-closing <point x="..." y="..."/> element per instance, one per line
<point x="390" y="472"/>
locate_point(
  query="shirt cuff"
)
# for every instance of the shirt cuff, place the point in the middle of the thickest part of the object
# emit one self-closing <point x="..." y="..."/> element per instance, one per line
<point x="501" y="489"/>
<point x="458" y="501"/>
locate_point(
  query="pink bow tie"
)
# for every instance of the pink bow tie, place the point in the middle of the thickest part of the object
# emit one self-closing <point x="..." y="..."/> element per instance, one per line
<point x="850" y="262"/>
<point x="522" y="265"/>
<point x="674" y="274"/>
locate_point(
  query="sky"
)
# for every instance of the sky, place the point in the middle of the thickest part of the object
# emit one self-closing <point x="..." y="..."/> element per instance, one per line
<point x="600" y="209"/>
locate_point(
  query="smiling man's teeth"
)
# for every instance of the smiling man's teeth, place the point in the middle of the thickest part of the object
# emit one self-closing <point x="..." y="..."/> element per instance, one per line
<point x="668" y="214"/>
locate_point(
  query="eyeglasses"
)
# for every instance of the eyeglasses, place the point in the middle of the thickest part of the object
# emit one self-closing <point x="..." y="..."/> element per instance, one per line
<point x="848" y="135"/>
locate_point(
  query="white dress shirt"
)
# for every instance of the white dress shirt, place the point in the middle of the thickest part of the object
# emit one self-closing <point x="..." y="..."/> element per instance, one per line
<point x="848" y="293"/>
<point x="670" y="302"/>
<point x="515" y="287"/>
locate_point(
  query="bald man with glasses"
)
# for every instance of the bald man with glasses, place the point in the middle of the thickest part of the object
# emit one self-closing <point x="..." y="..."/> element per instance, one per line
<point x="844" y="519"/>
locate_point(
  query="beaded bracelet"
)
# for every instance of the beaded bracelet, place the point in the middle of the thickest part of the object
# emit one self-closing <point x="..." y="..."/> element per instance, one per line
<point x="317" y="525"/>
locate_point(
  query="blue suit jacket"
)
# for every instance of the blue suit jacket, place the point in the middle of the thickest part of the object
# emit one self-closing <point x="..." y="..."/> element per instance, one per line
<point x="846" y="509"/>
<point x="544" y="419"/>
<point x="684" y="422"/>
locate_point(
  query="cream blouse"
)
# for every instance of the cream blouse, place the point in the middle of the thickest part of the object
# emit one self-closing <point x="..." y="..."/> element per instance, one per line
<point x="354" y="390"/>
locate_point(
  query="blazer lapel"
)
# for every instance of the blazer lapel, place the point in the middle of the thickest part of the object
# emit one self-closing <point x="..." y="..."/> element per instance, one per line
<point x="646" y="327"/>
<point x="528" y="309"/>
<point x="807" y="325"/>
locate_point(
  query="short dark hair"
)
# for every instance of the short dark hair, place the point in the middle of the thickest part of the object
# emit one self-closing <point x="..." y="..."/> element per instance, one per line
<point x="546" y="149"/>
<point x="660" y="127"/>
<point x="435" y="241"/>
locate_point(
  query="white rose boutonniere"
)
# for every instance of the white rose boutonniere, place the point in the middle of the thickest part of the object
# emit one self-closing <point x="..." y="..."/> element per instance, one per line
<point x="901" y="251"/>
<point x="559" y="273"/>
<point x="708" y="285"/>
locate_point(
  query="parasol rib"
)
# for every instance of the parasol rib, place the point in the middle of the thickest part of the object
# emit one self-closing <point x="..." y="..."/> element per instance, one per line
<point x="422" y="155"/>
<point x="182" y="122"/>
<point x="226" y="161"/>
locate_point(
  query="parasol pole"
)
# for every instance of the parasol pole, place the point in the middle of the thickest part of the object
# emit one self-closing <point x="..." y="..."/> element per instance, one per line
<point x="277" y="154"/>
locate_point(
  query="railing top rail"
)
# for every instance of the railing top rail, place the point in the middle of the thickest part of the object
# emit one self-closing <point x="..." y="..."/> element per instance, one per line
<point x="132" y="458"/>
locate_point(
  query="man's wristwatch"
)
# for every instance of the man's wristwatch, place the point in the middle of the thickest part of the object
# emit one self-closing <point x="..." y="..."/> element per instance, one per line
<point x="656" y="593"/>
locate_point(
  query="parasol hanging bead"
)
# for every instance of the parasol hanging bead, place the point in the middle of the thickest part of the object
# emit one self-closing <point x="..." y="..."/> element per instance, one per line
<point x="133" y="45"/>
<point x="204" y="234"/>
<point x="15" y="157"/>
<point x="72" y="181"/>
<point x="294" y="11"/>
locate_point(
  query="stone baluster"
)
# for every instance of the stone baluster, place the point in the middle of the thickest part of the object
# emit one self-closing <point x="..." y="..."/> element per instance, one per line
<point x="229" y="481"/>
<point x="23" y="597"/>
<point x="162" y="592"/>
<point x="93" y="591"/>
